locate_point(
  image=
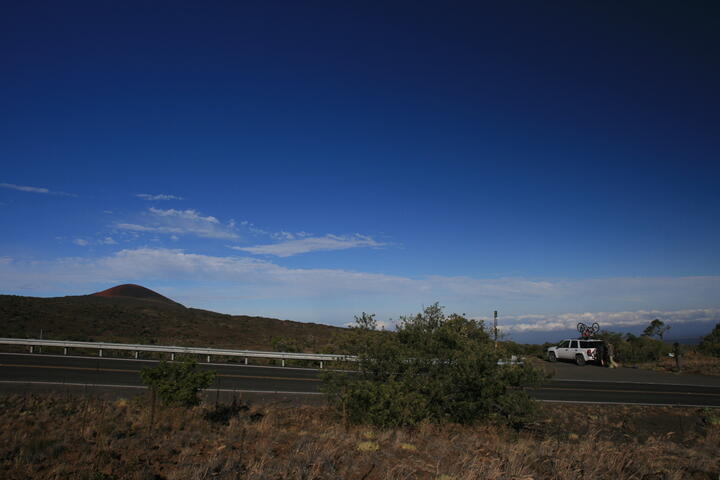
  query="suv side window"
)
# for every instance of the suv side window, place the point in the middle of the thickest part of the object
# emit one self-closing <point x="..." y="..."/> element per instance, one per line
<point x="573" y="344"/>
<point x="564" y="344"/>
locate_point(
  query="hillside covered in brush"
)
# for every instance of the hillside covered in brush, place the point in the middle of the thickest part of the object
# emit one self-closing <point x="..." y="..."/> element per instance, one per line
<point x="135" y="314"/>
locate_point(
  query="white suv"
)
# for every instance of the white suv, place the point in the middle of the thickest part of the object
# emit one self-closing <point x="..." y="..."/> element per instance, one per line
<point x="580" y="351"/>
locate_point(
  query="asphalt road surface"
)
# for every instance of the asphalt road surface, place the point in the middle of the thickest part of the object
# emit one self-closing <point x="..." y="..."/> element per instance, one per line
<point x="119" y="378"/>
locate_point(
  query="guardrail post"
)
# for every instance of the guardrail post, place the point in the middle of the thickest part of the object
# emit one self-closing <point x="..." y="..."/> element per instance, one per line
<point x="32" y="349"/>
<point x="136" y="355"/>
<point x="283" y="362"/>
<point x="208" y="359"/>
<point x="172" y="357"/>
<point x="64" y="350"/>
<point x="246" y="360"/>
<point x="320" y="364"/>
<point x="100" y="354"/>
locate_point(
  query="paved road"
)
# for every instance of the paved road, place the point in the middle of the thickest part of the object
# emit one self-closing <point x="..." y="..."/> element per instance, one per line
<point x="116" y="377"/>
<point x="570" y="371"/>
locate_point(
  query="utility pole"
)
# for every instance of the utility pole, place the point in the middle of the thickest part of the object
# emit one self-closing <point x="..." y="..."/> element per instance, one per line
<point x="495" y="327"/>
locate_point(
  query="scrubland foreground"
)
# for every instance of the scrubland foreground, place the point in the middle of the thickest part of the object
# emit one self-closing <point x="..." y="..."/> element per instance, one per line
<point x="60" y="437"/>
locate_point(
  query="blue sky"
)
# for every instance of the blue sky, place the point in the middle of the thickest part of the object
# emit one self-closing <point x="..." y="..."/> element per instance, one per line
<point x="312" y="160"/>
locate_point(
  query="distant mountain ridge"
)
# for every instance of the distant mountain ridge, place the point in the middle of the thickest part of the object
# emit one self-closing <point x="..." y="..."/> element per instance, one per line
<point x="135" y="314"/>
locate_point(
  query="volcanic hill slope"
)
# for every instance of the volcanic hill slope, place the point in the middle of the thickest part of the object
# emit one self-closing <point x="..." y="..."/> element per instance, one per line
<point x="137" y="292"/>
<point x="135" y="314"/>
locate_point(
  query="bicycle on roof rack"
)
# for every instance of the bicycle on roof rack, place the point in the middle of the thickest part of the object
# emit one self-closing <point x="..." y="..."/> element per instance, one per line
<point x="587" y="331"/>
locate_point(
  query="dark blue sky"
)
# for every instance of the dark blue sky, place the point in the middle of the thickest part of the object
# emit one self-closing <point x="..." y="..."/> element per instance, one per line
<point x="450" y="142"/>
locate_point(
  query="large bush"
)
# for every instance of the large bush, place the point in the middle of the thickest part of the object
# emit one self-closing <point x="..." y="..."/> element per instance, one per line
<point x="710" y="344"/>
<point x="177" y="383"/>
<point x="434" y="367"/>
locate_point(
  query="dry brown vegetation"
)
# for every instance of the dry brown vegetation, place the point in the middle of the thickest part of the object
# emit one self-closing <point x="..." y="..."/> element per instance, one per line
<point x="691" y="362"/>
<point x="69" y="438"/>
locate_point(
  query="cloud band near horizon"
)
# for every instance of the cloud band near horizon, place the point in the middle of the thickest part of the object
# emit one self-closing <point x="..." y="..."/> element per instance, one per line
<point x="238" y="281"/>
<point x="568" y="321"/>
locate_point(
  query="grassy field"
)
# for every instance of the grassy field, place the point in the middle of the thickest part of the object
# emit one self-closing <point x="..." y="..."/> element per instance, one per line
<point x="60" y="437"/>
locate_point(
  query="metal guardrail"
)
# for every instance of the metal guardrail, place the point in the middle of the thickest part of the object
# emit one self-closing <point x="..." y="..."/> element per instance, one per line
<point x="100" y="346"/>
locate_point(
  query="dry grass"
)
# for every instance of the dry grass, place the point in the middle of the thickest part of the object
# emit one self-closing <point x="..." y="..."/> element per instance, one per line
<point x="65" y="438"/>
<point x="691" y="362"/>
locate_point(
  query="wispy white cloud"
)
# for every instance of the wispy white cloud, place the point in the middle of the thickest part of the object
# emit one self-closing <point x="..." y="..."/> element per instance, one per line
<point x="255" y="230"/>
<point x="139" y="228"/>
<point x="311" y="244"/>
<point x="84" y="242"/>
<point x="181" y="222"/>
<point x="44" y="191"/>
<point x="159" y="196"/>
<point x="192" y="215"/>
<point x="23" y="188"/>
<point x="281" y="235"/>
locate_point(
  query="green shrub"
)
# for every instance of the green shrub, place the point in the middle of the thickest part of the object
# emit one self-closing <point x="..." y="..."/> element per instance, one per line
<point x="524" y="349"/>
<point x="631" y="349"/>
<point x="434" y="367"/>
<point x="177" y="383"/>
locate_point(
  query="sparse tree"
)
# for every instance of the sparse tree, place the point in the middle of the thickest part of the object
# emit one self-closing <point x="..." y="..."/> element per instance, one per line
<point x="656" y="328"/>
<point x="365" y="322"/>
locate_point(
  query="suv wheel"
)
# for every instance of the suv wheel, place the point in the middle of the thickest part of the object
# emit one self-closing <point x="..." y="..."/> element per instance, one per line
<point x="552" y="357"/>
<point x="579" y="359"/>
